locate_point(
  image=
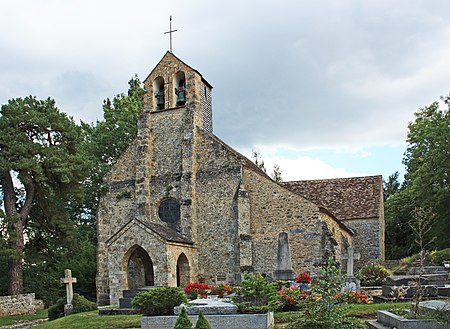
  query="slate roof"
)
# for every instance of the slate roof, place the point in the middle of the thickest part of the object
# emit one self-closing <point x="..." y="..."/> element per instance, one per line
<point x="166" y="233"/>
<point x="346" y="198"/>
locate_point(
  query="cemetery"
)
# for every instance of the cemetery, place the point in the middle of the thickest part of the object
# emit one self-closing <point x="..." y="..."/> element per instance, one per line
<point x="158" y="224"/>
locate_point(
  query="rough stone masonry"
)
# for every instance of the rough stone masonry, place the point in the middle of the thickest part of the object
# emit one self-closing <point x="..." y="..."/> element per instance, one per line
<point x="183" y="206"/>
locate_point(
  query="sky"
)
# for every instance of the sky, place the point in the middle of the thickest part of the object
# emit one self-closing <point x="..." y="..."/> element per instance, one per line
<point x="324" y="89"/>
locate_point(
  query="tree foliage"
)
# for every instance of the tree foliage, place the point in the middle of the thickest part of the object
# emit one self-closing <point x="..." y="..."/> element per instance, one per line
<point x="41" y="169"/>
<point x="183" y="321"/>
<point x="276" y="174"/>
<point x="107" y="140"/>
<point x="258" y="160"/>
<point x="426" y="184"/>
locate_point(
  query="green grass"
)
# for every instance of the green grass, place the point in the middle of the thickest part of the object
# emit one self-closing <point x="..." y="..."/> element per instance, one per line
<point x="10" y="320"/>
<point x="370" y="310"/>
<point x="91" y="320"/>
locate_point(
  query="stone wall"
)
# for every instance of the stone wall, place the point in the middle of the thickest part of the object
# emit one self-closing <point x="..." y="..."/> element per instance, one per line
<point x="17" y="304"/>
<point x="218" y="175"/>
<point x="274" y="209"/>
<point x="119" y="250"/>
<point x="340" y="237"/>
<point x="116" y="208"/>
<point x="366" y="241"/>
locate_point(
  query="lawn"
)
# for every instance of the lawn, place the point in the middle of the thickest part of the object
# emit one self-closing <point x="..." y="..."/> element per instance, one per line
<point x="91" y="320"/>
<point x="10" y="320"/>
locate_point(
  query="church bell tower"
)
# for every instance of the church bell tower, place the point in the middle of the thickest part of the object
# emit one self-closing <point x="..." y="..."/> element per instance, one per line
<point x="177" y="103"/>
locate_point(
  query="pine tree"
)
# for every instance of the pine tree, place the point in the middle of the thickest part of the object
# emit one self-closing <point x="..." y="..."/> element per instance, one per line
<point x="41" y="167"/>
<point x="183" y="321"/>
<point x="202" y="322"/>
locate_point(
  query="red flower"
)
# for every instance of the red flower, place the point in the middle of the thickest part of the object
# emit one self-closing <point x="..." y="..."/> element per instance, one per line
<point x="303" y="278"/>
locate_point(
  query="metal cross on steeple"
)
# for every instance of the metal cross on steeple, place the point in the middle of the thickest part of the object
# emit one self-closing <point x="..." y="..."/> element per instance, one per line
<point x="170" y="32"/>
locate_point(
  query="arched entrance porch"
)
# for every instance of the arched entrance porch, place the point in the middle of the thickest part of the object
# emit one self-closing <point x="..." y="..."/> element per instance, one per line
<point x="139" y="268"/>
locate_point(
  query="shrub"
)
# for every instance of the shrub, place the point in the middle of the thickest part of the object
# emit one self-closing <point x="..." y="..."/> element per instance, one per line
<point x="341" y="323"/>
<point x="255" y="294"/>
<point x="352" y="297"/>
<point x="373" y="275"/>
<point x="221" y="289"/>
<point x="80" y="304"/>
<point x="195" y="289"/>
<point x="289" y="299"/>
<point x="202" y="322"/>
<point x="158" y="301"/>
<point x="438" y="257"/>
<point x="183" y="321"/>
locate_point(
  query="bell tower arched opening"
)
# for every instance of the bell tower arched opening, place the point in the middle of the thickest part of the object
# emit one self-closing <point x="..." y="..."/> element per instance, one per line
<point x="183" y="268"/>
<point x="139" y="268"/>
<point x="158" y="87"/>
<point x="179" y="88"/>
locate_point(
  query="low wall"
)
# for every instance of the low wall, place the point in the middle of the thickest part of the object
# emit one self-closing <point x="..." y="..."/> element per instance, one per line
<point x="17" y="304"/>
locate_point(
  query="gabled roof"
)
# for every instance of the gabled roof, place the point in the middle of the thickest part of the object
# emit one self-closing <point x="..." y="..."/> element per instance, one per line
<point x="244" y="160"/>
<point x="160" y="230"/>
<point x="168" y="53"/>
<point x="346" y="198"/>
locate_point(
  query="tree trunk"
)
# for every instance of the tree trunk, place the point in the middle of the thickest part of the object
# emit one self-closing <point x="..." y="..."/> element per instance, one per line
<point x="17" y="220"/>
<point x="15" y="280"/>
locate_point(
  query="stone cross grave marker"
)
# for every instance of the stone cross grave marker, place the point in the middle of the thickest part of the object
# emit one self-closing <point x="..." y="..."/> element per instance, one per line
<point x="350" y="257"/>
<point x="68" y="280"/>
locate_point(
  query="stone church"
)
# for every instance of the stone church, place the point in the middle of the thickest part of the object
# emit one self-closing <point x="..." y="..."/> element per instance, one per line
<point x="183" y="206"/>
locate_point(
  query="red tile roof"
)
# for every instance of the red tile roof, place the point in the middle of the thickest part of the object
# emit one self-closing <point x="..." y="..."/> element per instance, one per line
<point x="346" y="198"/>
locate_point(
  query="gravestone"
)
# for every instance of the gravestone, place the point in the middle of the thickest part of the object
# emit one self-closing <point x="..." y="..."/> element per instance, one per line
<point x="352" y="284"/>
<point x="207" y="306"/>
<point x="284" y="265"/>
<point x="68" y="280"/>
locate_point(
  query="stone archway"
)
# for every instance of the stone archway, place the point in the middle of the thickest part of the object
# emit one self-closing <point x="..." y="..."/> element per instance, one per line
<point x="139" y="269"/>
<point x="183" y="268"/>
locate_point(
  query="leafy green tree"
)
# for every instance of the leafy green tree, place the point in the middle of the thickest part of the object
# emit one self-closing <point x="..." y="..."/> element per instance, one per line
<point x="427" y="161"/>
<point x="426" y="184"/>
<point x="391" y="185"/>
<point x="106" y="141"/>
<point x="41" y="168"/>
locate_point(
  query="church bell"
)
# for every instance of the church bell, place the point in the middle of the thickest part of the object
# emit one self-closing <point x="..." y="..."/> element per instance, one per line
<point x="181" y="96"/>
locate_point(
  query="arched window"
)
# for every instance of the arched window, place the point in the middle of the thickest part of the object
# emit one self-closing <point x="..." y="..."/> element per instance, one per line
<point x="158" y="87"/>
<point x="169" y="211"/>
<point x="179" y="88"/>
<point x="183" y="268"/>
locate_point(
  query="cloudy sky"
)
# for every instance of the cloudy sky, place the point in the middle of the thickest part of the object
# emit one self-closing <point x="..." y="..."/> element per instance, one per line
<point x="322" y="88"/>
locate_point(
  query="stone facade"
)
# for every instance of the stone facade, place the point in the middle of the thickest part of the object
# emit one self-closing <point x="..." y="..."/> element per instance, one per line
<point x="358" y="203"/>
<point x="19" y="304"/>
<point x="182" y="206"/>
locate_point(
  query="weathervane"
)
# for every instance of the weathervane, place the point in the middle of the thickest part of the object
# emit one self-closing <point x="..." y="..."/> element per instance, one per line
<point x="170" y="32"/>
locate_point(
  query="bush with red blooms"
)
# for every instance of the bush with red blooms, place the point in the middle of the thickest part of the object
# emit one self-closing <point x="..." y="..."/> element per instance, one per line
<point x="195" y="289"/>
<point x="288" y="299"/>
<point x="221" y="290"/>
<point x="303" y="278"/>
<point x="358" y="297"/>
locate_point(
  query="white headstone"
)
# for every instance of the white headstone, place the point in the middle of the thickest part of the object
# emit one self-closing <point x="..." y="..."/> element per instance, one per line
<point x="350" y="257"/>
<point x="68" y="280"/>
